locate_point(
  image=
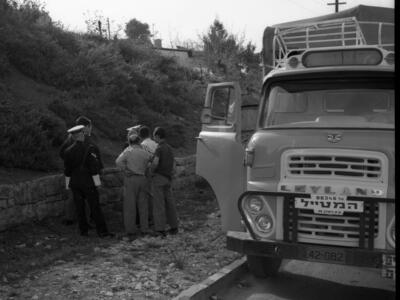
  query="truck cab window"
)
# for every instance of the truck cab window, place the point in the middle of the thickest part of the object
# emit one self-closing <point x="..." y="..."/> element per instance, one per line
<point x="222" y="106"/>
<point x="329" y="105"/>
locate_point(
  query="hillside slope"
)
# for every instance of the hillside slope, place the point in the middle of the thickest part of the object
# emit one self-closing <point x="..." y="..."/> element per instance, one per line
<point x="49" y="76"/>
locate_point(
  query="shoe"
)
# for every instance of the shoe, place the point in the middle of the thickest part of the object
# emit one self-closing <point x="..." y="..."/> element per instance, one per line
<point x="149" y="233"/>
<point x="173" y="231"/>
<point x="129" y="237"/>
<point x="67" y="222"/>
<point x="106" y="234"/>
<point x="162" y="233"/>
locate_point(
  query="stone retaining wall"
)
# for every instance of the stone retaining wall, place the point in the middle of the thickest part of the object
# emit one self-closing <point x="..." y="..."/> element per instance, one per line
<point x="47" y="196"/>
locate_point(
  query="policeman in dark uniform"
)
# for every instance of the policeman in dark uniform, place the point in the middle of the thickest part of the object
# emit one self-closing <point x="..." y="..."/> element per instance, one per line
<point x="82" y="120"/>
<point x="81" y="169"/>
<point x="70" y="209"/>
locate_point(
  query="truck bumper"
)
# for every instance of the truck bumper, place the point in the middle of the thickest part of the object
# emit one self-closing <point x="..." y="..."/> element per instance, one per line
<point x="242" y="242"/>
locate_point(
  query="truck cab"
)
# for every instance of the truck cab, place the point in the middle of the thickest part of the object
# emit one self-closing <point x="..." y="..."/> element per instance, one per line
<point x="309" y="173"/>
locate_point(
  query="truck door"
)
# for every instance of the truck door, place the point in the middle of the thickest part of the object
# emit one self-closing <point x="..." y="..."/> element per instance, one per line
<point x="220" y="154"/>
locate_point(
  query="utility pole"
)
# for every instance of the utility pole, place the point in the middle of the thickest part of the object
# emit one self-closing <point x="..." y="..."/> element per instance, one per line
<point x="108" y="28"/>
<point x="337" y="3"/>
<point x="100" y="29"/>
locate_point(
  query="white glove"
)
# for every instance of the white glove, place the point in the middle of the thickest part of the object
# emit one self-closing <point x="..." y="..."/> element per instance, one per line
<point x="67" y="182"/>
<point x="96" y="180"/>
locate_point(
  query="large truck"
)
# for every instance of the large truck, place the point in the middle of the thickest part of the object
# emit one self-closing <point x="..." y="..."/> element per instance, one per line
<point x="308" y="173"/>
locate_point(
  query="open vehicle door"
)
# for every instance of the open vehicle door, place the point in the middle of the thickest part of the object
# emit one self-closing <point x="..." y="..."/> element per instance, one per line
<point x="220" y="154"/>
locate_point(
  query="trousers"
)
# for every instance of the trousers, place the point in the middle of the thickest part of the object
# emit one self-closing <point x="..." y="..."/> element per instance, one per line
<point x="91" y="195"/>
<point x="164" y="207"/>
<point x="70" y="210"/>
<point x="135" y="189"/>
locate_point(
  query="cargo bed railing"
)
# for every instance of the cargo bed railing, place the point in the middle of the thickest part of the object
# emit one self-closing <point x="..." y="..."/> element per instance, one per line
<point x="331" y="33"/>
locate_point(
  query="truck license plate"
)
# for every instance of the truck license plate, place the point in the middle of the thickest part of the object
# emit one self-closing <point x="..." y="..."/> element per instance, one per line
<point x="325" y="255"/>
<point x="329" y="204"/>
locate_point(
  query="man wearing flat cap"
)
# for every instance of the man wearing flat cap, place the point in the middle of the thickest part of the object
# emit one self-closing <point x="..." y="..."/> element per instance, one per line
<point x="81" y="170"/>
<point x="130" y="131"/>
<point x="133" y="162"/>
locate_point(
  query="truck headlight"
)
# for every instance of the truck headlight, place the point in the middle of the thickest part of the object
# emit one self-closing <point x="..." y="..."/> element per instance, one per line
<point x="256" y="211"/>
<point x="391" y="233"/>
<point x="255" y="204"/>
<point x="264" y="223"/>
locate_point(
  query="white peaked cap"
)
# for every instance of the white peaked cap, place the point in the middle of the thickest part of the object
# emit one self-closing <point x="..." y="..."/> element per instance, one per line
<point x="133" y="128"/>
<point x="76" y="129"/>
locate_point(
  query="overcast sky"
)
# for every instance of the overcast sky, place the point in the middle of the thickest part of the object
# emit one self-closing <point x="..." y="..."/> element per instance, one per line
<point x="180" y="20"/>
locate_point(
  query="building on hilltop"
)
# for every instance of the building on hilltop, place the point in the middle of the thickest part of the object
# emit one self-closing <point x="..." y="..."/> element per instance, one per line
<point x="188" y="58"/>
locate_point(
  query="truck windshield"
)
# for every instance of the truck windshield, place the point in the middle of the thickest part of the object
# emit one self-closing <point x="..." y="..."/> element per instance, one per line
<point x="309" y="104"/>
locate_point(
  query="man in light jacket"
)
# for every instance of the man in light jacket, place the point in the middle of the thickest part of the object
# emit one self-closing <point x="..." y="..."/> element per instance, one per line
<point x="133" y="162"/>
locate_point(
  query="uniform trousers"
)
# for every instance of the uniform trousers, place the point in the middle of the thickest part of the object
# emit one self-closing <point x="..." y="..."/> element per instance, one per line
<point x="70" y="210"/>
<point x="164" y="207"/>
<point x="135" y="189"/>
<point x="91" y="195"/>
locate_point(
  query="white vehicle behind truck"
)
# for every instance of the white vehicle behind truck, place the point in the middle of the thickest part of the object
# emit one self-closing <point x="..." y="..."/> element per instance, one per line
<point x="315" y="181"/>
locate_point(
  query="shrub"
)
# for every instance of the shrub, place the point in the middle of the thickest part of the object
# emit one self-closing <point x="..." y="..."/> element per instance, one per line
<point x="111" y="121"/>
<point x="175" y="134"/>
<point x="65" y="111"/>
<point x="26" y="139"/>
<point x="132" y="53"/>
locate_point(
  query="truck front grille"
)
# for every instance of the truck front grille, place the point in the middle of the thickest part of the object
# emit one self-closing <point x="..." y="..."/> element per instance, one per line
<point x="345" y="230"/>
<point x="334" y="166"/>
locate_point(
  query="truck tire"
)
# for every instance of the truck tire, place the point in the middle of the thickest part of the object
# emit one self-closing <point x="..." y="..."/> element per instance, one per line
<point x="263" y="266"/>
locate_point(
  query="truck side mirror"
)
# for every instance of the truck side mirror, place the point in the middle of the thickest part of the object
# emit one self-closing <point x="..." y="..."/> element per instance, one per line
<point x="206" y="115"/>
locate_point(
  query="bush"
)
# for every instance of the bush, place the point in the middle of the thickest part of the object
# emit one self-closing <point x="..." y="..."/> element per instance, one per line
<point x="132" y="53"/>
<point x="26" y="138"/>
<point x="111" y="121"/>
<point x="65" y="111"/>
<point x="175" y="134"/>
<point x="125" y="94"/>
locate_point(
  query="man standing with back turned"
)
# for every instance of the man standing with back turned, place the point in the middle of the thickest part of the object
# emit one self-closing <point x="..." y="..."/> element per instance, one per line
<point x="164" y="207"/>
<point x="81" y="169"/>
<point x="133" y="162"/>
<point x="87" y="130"/>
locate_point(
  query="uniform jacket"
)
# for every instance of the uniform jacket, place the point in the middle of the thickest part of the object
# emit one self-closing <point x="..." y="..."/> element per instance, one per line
<point x="80" y="164"/>
<point x="88" y="140"/>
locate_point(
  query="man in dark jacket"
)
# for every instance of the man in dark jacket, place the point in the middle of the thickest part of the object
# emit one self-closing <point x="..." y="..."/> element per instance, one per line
<point x="164" y="207"/>
<point x="87" y="130"/>
<point x="82" y="172"/>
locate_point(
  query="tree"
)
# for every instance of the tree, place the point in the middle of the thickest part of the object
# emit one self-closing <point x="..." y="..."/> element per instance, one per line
<point x="228" y="56"/>
<point x="138" y="31"/>
<point x="226" y="53"/>
<point x="100" y="25"/>
<point x="96" y="24"/>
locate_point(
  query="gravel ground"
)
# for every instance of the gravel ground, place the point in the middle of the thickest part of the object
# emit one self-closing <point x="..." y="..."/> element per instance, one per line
<point x="47" y="260"/>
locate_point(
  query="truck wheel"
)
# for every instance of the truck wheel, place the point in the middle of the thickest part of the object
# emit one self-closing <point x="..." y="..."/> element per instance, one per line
<point x="262" y="266"/>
